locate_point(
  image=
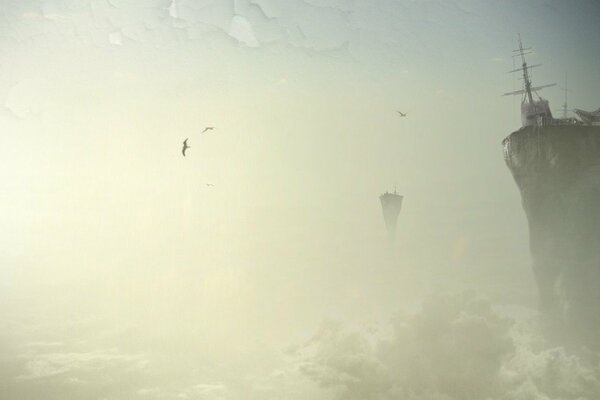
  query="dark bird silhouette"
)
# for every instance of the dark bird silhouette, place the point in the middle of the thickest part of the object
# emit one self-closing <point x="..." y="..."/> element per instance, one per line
<point x="208" y="128"/>
<point x="401" y="113"/>
<point x="185" y="147"/>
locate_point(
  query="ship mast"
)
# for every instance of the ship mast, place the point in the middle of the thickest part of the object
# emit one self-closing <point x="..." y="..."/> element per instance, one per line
<point x="528" y="90"/>
<point x="521" y="52"/>
<point x="565" y="105"/>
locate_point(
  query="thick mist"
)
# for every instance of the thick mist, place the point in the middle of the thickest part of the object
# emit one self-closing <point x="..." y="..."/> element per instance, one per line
<point x="258" y="266"/>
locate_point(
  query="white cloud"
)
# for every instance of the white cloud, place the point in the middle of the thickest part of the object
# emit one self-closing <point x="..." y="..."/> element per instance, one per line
<point x="241" y="29"/>
<point x="173" y="9"/>
<point x="115" y="38"/>
<point x="43" y="365"/>
<point x="455" y="348"/>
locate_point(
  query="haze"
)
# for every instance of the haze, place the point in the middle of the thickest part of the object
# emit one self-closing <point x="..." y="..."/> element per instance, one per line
<point x="124" y="276"/>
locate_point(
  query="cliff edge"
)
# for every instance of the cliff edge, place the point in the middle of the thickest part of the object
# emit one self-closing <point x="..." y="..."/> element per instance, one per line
<point x="557" y="170"/>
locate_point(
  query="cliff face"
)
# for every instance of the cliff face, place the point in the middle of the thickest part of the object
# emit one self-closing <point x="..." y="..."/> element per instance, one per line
<point x="557" y="170"/>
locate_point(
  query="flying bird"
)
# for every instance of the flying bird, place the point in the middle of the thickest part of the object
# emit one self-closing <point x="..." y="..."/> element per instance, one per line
<point x="209" y="184"/>
<point x="185" y="147"/>
<point x="401" y="113"/>
<point x="208" y="128"/>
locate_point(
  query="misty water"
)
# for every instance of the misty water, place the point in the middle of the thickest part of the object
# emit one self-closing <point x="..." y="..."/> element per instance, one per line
<point x="258" y="266"/>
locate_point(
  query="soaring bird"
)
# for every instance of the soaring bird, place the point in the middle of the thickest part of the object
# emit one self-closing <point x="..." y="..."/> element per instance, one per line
<point x="208" y="128"/>
<point x="401" y="113"/>
<point x="185" y="147"/>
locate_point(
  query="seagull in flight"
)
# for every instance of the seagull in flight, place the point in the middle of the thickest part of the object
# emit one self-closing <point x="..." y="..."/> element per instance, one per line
<point x="185" y="147"/>
<point x="401" y="113"/>
<point x="208" y="128"/>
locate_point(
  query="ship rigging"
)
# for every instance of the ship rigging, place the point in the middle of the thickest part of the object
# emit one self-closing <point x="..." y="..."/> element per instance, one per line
<point x="534" y="112"/>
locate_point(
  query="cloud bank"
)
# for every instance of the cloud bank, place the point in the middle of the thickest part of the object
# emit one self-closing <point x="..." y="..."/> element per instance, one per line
<point x="456" y="347"/>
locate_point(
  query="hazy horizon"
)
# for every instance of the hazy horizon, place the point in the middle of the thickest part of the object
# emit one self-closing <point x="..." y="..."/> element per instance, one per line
<point x="124" y="276"/>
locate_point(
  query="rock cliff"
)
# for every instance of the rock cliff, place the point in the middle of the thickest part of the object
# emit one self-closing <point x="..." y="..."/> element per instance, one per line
<point x="557" y="170"/>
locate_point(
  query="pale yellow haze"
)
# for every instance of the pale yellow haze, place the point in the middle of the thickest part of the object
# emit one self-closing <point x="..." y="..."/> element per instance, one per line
<point x="124" y="275"/>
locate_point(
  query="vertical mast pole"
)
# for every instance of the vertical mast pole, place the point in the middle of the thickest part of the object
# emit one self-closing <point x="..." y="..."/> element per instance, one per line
<point x="565" y="106"/>
<point x="525" y="72"/>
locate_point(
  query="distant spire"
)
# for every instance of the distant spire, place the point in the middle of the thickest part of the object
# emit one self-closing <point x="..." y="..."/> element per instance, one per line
<point x="391" y="203"/>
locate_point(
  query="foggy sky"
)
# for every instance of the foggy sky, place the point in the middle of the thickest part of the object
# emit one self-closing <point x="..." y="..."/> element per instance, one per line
<point x="122" y="275"/>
